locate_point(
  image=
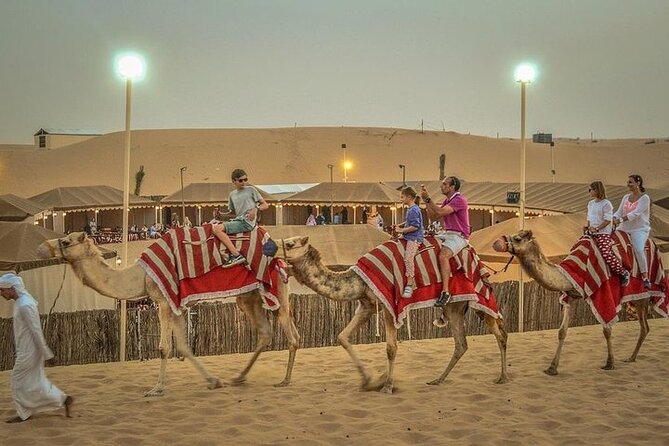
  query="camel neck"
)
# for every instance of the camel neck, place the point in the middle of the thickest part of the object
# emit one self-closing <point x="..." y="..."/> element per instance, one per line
<point x="127" y="283"/>
<point x="544" y="272"/>
<point x="335" y="285"/>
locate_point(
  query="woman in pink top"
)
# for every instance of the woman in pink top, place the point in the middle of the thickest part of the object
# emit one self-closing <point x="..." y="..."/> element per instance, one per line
<point x="633" y="217"/>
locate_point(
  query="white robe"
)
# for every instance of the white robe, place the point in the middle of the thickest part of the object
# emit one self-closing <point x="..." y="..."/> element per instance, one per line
<point x="31" y="390"/>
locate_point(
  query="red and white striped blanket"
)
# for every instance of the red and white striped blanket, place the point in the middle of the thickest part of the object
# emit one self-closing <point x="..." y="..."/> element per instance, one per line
<point x="587" y="271"/>
<point x="185" y="264"/>
<point x="383" y="270"/>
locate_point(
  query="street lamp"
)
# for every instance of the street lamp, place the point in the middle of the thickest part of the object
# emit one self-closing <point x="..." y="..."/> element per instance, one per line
<point x="404" y="171"/>
<point x="130" y="67"/>
<point x="524" y="75"/>
<point x="330" y="166"/>
<point x="183" y="204"/>
<point x="347" y="164"/>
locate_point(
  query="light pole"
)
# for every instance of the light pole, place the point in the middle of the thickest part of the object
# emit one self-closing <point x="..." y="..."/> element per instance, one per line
<point x="347" y="164"/>
<point x="330" y="166"/>
<point x="183" y="204"/>
<point x="404" y="178"/>
<point x="524" y="75"/>
<point x="130" y="67"/>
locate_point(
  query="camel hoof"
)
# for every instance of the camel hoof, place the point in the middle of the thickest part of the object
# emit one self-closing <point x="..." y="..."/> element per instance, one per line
<point x="154" y="392"/>
<point x="439" y="322"/>
<point x="374" y="385"/>
<point x="501" y="380"/>
<point x="282" y="384"/>
<point x="435" y="382"/>
<point x="214" y="383"/>
<point x="238" y="381"/>
<point x="387" y="389"/>
<point x="608" y="367"/>
<point x="630" y="360"/>
<point x="551" y="371"/>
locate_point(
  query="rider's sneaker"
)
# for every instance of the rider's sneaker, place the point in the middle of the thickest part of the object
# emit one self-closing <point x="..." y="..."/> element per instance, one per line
<point x="444" y="299"/>
<point x="646" y="284"/>
<point x="408" y="292"/>
<point x="234" y="260"/>
<point x="625" y="279"/>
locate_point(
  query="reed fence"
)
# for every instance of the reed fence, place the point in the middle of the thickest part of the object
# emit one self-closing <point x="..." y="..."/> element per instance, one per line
<point x="92" y="336"/>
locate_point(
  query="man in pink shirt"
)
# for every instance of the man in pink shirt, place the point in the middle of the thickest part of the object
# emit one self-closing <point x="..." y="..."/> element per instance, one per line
<point x="455" y="214"/>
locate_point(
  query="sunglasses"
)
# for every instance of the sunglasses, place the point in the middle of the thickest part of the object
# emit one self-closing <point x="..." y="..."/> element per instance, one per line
<point x="242" y="180"/>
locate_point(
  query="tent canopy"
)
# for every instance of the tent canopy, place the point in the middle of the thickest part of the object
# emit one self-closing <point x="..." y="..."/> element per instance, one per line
<point x="550" y="197"/>
<point x="342" y="194"/>
<point x="19" y="243"/>
<point x="13" y="208"/>
<point x="88" y="197"/>
<point x="207" y="193"/>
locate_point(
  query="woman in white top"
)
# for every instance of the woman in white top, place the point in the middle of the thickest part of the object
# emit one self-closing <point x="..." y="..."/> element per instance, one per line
<point x="633" y="217"/>
<point x="600" y="214"/>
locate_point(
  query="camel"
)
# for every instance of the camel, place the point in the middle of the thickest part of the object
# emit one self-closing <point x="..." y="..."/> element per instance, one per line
<point x="132" y="283"/>
<point x="524" y="246"/>
<point x="307" y="267"/>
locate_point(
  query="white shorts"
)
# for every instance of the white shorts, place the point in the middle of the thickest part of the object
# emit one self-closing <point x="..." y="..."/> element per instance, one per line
<point x="453" y="241"/>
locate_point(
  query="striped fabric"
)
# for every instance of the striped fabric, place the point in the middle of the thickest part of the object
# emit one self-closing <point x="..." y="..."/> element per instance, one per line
<point x="383" y="270"/>
<point x="586" y="269"/>
<point x="185" y="264"/>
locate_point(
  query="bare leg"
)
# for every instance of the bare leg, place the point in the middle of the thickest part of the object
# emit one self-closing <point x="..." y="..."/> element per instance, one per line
<point x="497" y="328"/>
<point x="251" y="305"/>
<point x="562" y="334"/>
<point x="445" y="268"/>
<point x="219" y="231"/>
<point x="288" y="326"/>
<point x="391" y="351"/>
<point x="362" y="315"/>
<point x="644" y="328"/>
<point x="609" y="348"/>
<point x="455" y="315"/>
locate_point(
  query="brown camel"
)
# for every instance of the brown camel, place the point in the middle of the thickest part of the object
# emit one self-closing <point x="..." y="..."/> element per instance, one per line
<point x="308" y="268"/>
<point x="524" y="246"/>
<point x="132" y="283"/>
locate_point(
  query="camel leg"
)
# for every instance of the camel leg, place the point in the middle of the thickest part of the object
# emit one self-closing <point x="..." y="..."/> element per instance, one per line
<point x="361" y="316"/>
<point x="179" y="327"/>
<point x="292" y="335"/>
<point x="644" y="328"/>
<point x="165" y="319"/>
<point x="496" y="326"/>
<point x="251" y="305"/>
<point x="609" y="348"/>
<point x="391" y="351"/>
<point x="455" y="314"/>
<point x="562" y="335"/>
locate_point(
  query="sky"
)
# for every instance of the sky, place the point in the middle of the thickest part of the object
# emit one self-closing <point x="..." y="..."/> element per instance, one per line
<point x="603" y="65"/>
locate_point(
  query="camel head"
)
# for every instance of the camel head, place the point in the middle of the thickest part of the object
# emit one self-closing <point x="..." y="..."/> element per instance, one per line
<point x="71" y="247"/>
<point x="516" y="244"/>
<point x="293" y="248"/>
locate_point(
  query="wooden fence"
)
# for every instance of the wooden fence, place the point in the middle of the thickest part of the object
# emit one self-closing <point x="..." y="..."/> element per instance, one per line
<point x="214" y="329"/>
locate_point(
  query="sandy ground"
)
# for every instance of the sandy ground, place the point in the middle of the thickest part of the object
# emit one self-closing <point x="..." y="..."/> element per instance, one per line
<point x="583" y="405"/>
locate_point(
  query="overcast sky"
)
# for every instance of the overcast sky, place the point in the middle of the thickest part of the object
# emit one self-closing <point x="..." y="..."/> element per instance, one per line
<point x="603" y="65"/>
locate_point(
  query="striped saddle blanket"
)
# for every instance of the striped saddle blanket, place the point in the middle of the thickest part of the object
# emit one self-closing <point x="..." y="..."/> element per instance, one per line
<point x="185" y="264"/>
<point x="383" y="270"/>
<point x="587" y="271"/>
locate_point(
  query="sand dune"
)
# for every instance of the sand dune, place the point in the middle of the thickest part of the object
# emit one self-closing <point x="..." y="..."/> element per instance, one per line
<point x="301" y="155"/>
<point x="583" y="405"/>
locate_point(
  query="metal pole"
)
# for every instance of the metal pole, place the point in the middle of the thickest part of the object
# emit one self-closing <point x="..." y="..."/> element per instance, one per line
<point x="330" y="166"/>
<point x="552" y="162"/>
<point x="343" y="146"/>
<point x="126" y="203"/>
<point x="521" y="284"/>
<point x="183" y="204"/>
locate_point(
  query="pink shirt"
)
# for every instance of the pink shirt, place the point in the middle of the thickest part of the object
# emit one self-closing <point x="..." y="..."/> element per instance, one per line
<point x="458" y="220"/>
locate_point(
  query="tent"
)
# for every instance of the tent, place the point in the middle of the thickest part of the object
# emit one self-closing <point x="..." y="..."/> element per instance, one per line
<point x="14" y="208"/>
<point x="43" y="278"/>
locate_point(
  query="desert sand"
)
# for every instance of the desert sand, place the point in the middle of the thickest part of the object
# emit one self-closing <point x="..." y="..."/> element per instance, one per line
<point x="301" y="155"/>
<point x="323" y="406"/>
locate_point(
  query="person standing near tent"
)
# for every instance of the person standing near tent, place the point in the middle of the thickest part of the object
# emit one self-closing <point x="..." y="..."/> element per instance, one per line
<point x="31" y="390"/>
<point x="633" y="217"/>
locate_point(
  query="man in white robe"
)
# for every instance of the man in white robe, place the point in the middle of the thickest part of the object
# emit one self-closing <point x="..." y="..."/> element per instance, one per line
<point x="31" y="390"/>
